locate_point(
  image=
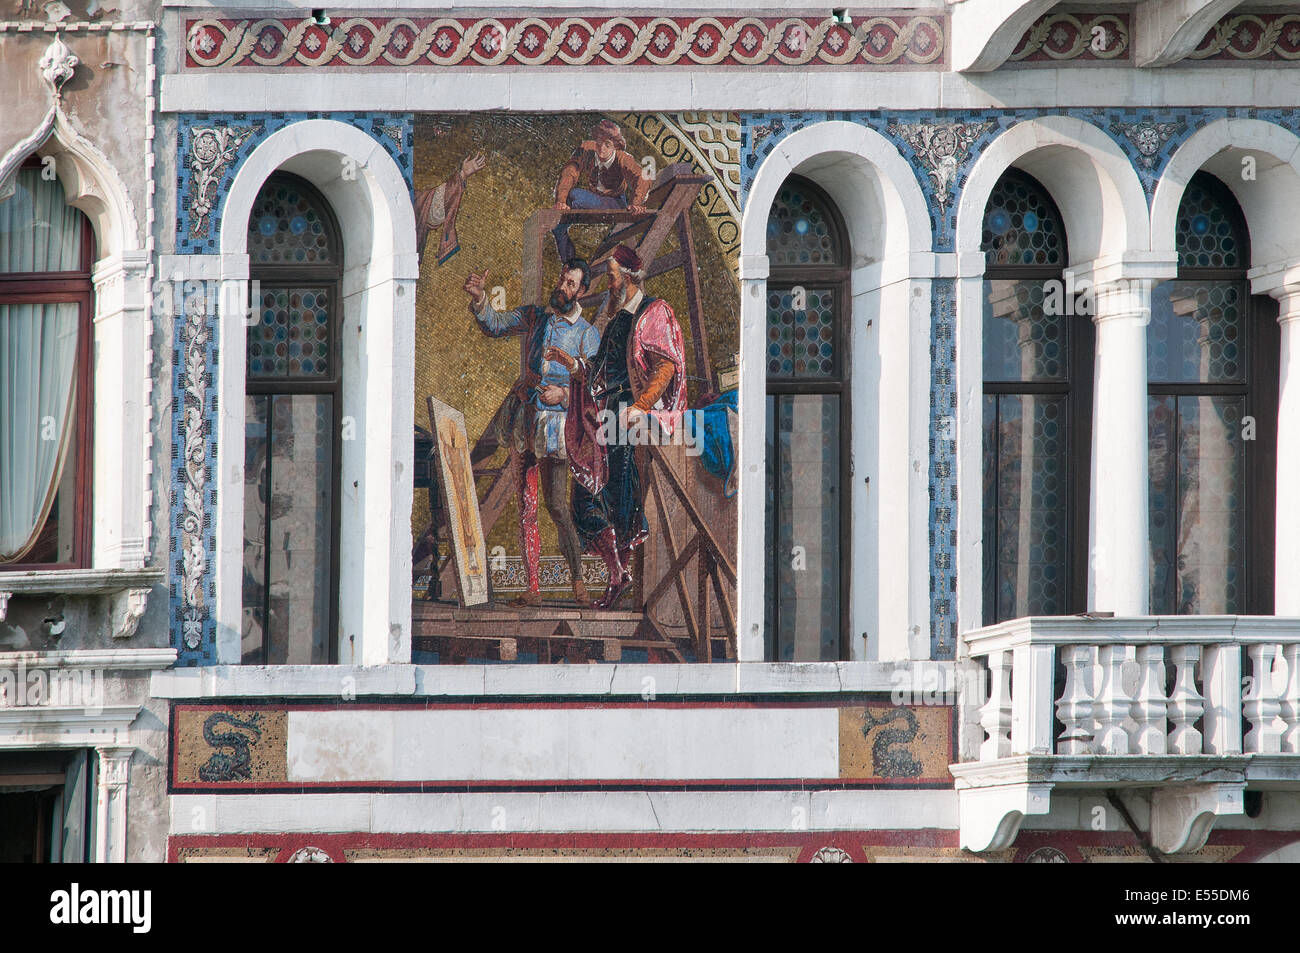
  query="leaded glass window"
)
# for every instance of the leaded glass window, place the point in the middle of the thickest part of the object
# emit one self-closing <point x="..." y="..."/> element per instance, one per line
<point x="1212" y="385"/>
<point x="801" y="229"/>
<point x="1037" y="358"/>
<point x="807" y="429"/>
<point x="292" y="425"/>
<point x="46" y="254"/>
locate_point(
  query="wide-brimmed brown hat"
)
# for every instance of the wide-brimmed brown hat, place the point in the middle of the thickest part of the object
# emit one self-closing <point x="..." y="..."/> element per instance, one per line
<point x="608" y="129"/>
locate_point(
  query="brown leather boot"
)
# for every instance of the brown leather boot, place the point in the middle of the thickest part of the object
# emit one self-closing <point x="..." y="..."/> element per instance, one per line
<point x="527" y="599"/>
<point x="580" y="594"/>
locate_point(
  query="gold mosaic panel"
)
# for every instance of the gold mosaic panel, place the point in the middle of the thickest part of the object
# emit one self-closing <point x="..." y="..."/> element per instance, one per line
<point x="889" y="742"/>
<point x="230" y="745"/>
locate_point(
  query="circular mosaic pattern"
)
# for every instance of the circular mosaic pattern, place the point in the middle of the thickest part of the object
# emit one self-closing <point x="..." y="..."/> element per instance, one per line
<point x="1209" y="232"/>
<point x="292" y="337"/>
<point x="799" y="230"/>
<point x="1021" y="224"/>
<point x="801" y="340"/>
<point x="286" y="228"/>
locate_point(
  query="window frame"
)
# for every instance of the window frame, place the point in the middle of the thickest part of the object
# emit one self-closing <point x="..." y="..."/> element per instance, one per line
<point x="67" y="287"/>
<point x="263" y="277"/>
<point x="1259" y="393"/>
<point x="1077" y="389"/>
<point x="839" y="279"/>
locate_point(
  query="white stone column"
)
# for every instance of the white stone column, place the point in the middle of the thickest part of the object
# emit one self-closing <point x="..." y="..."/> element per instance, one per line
<point x="752" y="492"/>
<point x="1118" y="547"/>
<point x="122" y="352"/>
<point x="110" y="804"/>
<point x="1287" y="546"/>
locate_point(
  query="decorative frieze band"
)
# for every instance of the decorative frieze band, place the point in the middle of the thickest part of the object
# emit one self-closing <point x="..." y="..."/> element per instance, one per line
<point x="1252" y="36"/>
<point x="403" y="42"/>
<point x="1082" y="36"/>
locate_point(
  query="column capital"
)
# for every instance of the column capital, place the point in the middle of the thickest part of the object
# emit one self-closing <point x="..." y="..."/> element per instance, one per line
<point x="1125" y="267"/>
<point x="1280" y="280"/>
<point x="1121" y="299"/>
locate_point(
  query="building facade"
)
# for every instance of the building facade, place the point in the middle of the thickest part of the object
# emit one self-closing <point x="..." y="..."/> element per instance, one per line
<point x="579" y="431"/>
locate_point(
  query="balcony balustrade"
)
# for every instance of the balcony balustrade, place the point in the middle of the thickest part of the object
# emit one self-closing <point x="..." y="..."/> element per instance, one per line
<point x="1194" y="708"/>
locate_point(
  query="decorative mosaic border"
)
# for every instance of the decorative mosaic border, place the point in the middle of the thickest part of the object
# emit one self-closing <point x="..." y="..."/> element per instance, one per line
<point x="406" y="43"/>
<point x="1101" y="37"/>
<point x="192" y="545"/>
<point x="941" y="147"/>
<point x="1252" y="36"/>
<point x="211" y="146"/>
<point x="943" y="468"/>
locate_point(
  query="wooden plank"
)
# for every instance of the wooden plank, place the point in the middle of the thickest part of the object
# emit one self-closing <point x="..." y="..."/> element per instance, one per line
<point x="724" y="606"/>
<point x="703" y="366"/>
<point x="674" y="570"/>
<point x="670" y="539"/>
<point x="704" y="645"/>
<point x="701" y="524"/>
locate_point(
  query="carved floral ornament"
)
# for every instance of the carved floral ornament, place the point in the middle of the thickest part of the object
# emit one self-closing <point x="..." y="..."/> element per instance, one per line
<point x="57" y="66"/>
<point x="941" y="147"/>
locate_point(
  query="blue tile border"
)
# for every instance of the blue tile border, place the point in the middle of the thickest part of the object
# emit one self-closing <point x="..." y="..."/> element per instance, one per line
<point x="221" y="156"/>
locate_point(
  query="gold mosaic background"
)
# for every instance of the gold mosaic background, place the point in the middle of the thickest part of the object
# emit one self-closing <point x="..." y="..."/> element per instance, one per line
<point x="458" y="364"/>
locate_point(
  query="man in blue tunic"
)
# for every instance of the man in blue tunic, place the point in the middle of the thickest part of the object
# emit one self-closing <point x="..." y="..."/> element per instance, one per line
<point x="536" y="410"/>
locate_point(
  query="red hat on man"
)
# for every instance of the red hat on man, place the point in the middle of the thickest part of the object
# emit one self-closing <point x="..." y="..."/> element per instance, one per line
<point x="627" y="259"/>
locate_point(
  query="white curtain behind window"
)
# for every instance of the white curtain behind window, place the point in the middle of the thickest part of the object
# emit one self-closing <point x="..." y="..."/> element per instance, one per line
<point x="39" y="231"/>
<point x="38" y="356"/>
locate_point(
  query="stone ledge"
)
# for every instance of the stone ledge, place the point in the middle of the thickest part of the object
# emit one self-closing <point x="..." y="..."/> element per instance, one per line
<point x="611" y="680"/>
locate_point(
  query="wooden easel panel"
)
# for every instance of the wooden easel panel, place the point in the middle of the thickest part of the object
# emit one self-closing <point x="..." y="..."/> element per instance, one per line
<point x="459" y="495"/>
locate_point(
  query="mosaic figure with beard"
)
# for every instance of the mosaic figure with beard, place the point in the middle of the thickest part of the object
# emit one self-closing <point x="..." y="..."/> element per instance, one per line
<point x="535" y="414"/>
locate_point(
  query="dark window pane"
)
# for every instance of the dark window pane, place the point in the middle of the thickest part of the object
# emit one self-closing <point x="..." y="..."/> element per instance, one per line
<point x="1022" y="340"/>
<point x="1196" y="505"/>
<point x="1026" y="506"/>
<point x="1197" y="332"/>
<point x="800" y="230"/>
<point x="1022" y="225"/>
<point x="801" y="334"/>
<point x="255" y="501"/>
<point x="290" y="469"/>
<point x="288" y="226"/>
<point x="1210" y="232"/>
<point x="804" y="526"/>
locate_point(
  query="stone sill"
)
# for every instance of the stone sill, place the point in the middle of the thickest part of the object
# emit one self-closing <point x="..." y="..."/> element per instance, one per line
<point x="607" y="680"/>
<point x="78" y="582"/>
<point x="116" y="659"/>
<point x="1105" y="771"/>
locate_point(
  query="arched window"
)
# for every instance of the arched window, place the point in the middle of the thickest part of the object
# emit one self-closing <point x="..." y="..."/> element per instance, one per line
<point x="292" y="413"/>
<point x="807" y="428"/>
<point x="1037" y="353"/>
<point x="1212" y="380"/>
<point x="46" y="253"/>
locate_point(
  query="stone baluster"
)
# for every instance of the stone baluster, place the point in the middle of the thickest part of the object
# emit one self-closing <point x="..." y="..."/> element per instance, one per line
<point x="1263" y="706"/>
<point x="1114" y="701"/>
<point x="1151" y="706"/>
<point x="1291" y="698"/>
<point x="1185" y="703"/>
<point x="1075" y="705"/>
<point x="1221" y="676"/>
<point x="995" y="715"/>
<point x="1034" y="667"/>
